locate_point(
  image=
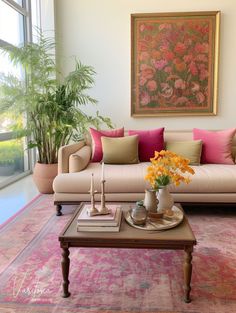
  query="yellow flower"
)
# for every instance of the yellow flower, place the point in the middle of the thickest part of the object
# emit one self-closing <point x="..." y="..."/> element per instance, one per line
<point x="168" y="167"/>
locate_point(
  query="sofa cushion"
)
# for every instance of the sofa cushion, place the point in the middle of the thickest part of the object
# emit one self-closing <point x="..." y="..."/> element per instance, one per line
<point x="189" y="149"/>
<point x="149" y="142"/>
<point x="211" y="179"/>
<point x="96" y="140"/>
<point x="122" y="150"/>
<point x="80" y="159"/>
<point x="129" y="178"/>
<point x="217" y="145"/>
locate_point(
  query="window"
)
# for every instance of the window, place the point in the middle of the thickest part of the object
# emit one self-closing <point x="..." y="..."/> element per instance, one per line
<point x="9" y="16"/>
<point x="15" y="29"/>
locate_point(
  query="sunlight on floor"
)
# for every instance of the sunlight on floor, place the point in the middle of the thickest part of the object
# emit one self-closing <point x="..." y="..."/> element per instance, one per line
<point x="15" y="196"/>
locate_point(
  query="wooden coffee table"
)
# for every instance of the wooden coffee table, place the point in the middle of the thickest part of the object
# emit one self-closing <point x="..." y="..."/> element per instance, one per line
<point x="178" y="238"/>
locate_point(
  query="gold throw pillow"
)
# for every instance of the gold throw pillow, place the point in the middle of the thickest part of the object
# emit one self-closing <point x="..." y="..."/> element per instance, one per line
<point x="189" y="149"/>
<point x="122" y="150"/>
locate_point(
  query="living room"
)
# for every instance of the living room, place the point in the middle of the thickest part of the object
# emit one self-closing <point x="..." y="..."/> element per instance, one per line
<point x="98" y="33"/>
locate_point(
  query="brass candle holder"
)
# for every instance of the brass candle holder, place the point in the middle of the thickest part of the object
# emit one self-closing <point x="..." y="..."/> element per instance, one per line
<point x="103" y="209"/>
<point x="92" y="210"/>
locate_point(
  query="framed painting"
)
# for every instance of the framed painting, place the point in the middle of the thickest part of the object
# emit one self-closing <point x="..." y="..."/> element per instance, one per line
<point x="174" y="63"/>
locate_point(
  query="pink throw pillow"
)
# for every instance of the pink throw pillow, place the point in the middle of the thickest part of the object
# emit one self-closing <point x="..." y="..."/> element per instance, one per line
<point x="216" y="145"/>
<point x="96" y="140"/>
<point x="149" y="142"/>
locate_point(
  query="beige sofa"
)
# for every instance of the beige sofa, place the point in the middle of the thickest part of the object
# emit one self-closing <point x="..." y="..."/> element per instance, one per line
<point x="212" y="183"/>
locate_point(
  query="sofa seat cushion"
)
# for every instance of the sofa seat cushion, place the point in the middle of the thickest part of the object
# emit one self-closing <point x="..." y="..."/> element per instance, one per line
<point x="123" y="178"/>
<point x="208" y="178"/>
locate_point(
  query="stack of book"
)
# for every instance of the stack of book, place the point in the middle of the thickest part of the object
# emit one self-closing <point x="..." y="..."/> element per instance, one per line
<point x="100" y="223"/>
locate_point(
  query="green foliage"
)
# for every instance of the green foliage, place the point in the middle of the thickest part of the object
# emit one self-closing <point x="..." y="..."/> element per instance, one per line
<point x="162" y="180"/>
<point x="53" y="104"/>
<point x="10" y="151"/>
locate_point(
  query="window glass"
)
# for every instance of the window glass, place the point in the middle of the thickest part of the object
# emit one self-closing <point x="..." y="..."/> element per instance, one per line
<point x="7" y="68"/>
<point x="15" y="28"/>
<point x="35" y="18"/>
<point x="15" y="33"/>
<point x="20" y="2"/>
<point x="13" y="158"/>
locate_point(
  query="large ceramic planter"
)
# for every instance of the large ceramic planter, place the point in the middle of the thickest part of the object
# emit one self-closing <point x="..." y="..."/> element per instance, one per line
<point x="43" y="176"/>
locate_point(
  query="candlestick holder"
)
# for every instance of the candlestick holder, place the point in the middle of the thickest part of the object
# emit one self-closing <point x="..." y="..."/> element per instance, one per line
<point x="103" y="209"/>
<point x="92" y="210"/>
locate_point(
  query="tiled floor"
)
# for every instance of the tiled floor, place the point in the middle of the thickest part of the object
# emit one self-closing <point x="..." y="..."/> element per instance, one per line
<point x="15" y="196"/>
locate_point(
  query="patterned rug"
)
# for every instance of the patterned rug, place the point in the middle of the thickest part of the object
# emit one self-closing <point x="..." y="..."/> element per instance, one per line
<point x="114" y="280"/>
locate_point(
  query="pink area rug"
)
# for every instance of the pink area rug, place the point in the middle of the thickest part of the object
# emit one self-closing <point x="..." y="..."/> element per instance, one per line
<point x="114" y="280"/>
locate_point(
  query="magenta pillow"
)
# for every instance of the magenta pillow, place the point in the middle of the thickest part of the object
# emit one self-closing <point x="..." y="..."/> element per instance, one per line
<point x="149" y="142"/>
<point x="96" y="140"/>
<point x="216" y="145"/>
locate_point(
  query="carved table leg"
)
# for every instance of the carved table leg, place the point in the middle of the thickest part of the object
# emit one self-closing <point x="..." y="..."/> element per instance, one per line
<point x="65" y="265"/>
<point x="187" y="273"/>
<point x="58" y="208"/>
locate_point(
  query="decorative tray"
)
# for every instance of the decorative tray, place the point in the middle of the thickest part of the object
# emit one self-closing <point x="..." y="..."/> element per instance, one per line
<point x="165" y="222"/>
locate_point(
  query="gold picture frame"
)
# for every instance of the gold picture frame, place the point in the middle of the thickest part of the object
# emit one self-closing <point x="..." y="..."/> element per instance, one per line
<point x="174" y="63"/>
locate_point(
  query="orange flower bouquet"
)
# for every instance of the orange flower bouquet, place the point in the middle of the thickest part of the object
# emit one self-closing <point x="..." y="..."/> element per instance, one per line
<point x="168" y="167"/>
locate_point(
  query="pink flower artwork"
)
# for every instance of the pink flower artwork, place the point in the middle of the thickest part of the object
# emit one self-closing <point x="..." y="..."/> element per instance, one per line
<point x="172" y="63"/>
<point x="152" y="85"/>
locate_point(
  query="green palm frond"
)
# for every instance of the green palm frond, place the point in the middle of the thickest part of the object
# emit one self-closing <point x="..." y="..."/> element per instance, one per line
<point x="53" y="107"/>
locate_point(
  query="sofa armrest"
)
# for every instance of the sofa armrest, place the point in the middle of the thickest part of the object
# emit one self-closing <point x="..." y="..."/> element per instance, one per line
<point x="64" y="155"/>
<point x="80" y="159"/>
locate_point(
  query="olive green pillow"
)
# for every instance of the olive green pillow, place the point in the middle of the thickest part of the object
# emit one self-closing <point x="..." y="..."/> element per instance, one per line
<point x="189" y="149"/>
<point x="122" y="150"/>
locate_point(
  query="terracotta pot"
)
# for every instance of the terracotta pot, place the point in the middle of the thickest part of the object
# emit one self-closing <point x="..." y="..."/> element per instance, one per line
<point x="43" y="176"/>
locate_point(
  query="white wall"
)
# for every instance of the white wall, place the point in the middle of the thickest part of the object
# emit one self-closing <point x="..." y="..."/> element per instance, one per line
<point x="98" y="32"/>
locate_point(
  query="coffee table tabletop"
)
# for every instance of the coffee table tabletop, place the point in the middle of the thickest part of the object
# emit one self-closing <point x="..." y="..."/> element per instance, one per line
<point x="181" y="237"/>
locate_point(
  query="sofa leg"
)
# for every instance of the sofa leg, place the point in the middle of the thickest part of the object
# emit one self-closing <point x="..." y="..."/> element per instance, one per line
<point x="58" y="209"/>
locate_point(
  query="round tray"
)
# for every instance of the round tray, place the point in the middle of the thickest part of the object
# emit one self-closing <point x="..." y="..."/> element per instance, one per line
<point x="166" y="222"/>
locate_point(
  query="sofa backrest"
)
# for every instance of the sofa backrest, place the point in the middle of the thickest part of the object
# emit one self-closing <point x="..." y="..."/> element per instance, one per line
<point x="178" y="135"/>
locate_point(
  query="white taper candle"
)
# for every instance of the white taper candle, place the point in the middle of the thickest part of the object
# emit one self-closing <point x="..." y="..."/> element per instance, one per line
<point x="92" y="184"/>
<point x="103" y="174"/>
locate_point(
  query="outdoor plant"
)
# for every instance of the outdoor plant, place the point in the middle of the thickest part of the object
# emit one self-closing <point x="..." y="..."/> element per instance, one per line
<point x="168" y="167"/>
<point x="51" y="104"/>
<point x="10" y="152"/>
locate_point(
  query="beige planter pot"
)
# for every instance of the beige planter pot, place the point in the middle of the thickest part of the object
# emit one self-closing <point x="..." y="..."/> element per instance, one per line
<point x="43" y="176"/>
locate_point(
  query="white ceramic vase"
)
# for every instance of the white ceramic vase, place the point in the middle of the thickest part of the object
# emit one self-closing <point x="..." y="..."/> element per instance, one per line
<point x="166" y="200"/>
<point x="150" y="200"/>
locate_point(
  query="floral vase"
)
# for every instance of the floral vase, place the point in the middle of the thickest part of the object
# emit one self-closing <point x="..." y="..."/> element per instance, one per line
<point x="166" y="200"/>
<point x="150" y="200"/>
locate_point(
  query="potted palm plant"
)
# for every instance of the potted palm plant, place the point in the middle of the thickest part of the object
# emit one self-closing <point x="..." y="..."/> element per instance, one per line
<point x="51" y="104"/>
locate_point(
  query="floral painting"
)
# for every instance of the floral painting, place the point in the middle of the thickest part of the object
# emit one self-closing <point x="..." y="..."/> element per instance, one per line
<point x="174" y="63"/>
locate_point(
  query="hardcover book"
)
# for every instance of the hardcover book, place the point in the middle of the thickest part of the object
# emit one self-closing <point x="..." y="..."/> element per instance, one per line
<point x="102" y="226"/>
<point x="111" y="219"/>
